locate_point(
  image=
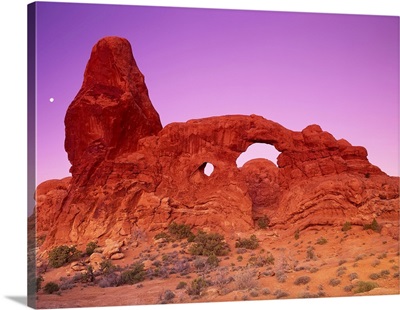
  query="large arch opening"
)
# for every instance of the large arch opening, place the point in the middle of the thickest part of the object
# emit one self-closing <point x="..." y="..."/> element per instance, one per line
<point x="258" y="150"/>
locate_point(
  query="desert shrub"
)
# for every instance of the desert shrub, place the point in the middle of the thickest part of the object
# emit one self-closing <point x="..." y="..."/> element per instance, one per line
<point x="341" y="271"/>
<point x="348" y="288"/>
<point x="161" y="272"/>
<point x="382" y="256"/>
<point x="241" y="250"/>
<point x="106" y="266"/>
<point x="281" y="276"/>
<point x="263" y="222"/>
<point x="222" y="278"/>
<point x="66" y="284"/>
<point x="181" y="285"/>
<point x="314" y="269"/>
<point x="209" y="244"/>
<point x="85" y="277"/>
<point x="302" y="280"/>
<point x="254" y="293"/>
<point x="374" y="276"/>
<point x="88" y="276"/>
<point x="280" y="294"/>
<point x="363" y="286"/>
<point x="200" y="263"/>
<point x="245" y="279"/>
<point x="162" y="235"/>
<point x="375" y="263"/>
<point x="321" y="241"/>
<point x="166" y="297"/>
<point x="334" y="282"/>
<point x="310" y="254"/>
<point x="51" y="287"/>
<point x="384" y="273"/>
<point x="179" y="231"/>
<point x="250" y="243"/>
<point x="197" y="286"/>
<point x="62" y="255"/>
<point x="346" y="226"/>
<point x="261" y="261"/>
<point x="353" y="276"/>
<point x="265" y="292"/>
<point x="359" y="257"/>
<point x="90" y="247"/>
<point x="182" y="266"/>
<point x="239" y="258"/>
<point x="342" y="261"/>
<point x="212" y="261"/>
<point x="109" y="280"/>
<point x="134" y="275"/>
<point x="297" y="234"/>
<point x="312" y="295"/>
<point x="374" y="226"/>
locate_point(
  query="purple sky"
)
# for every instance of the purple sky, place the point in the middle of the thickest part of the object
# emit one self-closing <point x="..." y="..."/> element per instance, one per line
<point x="338" y="71"/>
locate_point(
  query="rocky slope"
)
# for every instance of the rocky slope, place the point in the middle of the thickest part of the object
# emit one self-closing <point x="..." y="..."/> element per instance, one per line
<point x="129" y="173"/>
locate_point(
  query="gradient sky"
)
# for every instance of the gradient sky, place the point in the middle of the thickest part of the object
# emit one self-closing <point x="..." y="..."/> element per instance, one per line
<point x="338" y="71"/>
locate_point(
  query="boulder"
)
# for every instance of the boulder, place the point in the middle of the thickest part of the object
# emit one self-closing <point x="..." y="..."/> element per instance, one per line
<point x="78" y="266"/>
<point x="117" y="256"/>
<point x="95" y="261"/>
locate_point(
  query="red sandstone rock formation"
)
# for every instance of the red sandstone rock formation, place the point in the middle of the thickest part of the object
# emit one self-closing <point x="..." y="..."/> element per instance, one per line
<point x="129" y="174"/>
<point x="112" y="110"/>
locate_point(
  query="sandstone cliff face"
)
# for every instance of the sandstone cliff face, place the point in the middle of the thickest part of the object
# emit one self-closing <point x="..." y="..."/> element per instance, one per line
<point x="128" y="173"/>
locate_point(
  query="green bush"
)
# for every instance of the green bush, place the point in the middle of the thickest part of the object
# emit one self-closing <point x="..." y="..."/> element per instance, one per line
<point x="134" y="275"/>
<point x="374" y="226"/>
<point x="263" y="222"/>
<point x="62" y="255"/>
<point x="362" y="287"/>
<point x="90" y="247"/>
<point x="106" y="266"/>
<point x="179" y="231"/>
<point x="322" y="241"/>
<point x="197" y="286"/>
<point x="250" y="244"/>
<point x="346" y="226"/>
<point x="181" y="285"/>
<point x="212" y="260"/>
<point x="51" y="287"/>
<point x="208" y="244"/>
<point x="162" y="235"/>
<point x="261" y="261"/>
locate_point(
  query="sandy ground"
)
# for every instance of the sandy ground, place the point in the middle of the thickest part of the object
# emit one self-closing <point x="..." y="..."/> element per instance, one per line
<point x="331" y="261"/>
